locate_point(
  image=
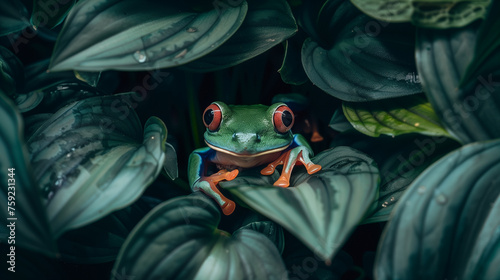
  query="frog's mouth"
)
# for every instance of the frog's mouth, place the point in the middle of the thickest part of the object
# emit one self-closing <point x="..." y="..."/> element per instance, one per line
<point x="247" y="154"/>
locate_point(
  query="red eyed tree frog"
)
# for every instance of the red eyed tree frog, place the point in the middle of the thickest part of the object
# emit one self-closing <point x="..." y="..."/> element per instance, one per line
<point x="245" y="136"/>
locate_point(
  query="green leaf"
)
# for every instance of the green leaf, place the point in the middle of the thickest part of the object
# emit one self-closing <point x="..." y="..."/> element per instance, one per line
<point x="38" y="77"/>
<point x="140" y="35"/>
<point x="89" y="160"/>
<point x="50" y="13"/>
<point x="339" y="122"/>
<point x="469" y="112"/>
<point x="447" y="226"/>
<point x="321" y="209"/>
<point x="426" y="13"/>
<point x="291" y="70"/>
<point x="409" y="114"/>
<point x="54" y="98"/>
<point x="400" y="161"/>
<point x="11" y="72"/>
<point x="487" y="51"/>
<point x="179" y="239"/>
<point x="266" y="24"/>
<point x="359" y="59"/>
<point x="101" y="241"/>
<point x="13" y="18"/>
<point x="32" y="230"/>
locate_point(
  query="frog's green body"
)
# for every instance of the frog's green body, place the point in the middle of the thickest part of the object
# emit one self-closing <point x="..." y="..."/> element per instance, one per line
<point x="246" y="136"/>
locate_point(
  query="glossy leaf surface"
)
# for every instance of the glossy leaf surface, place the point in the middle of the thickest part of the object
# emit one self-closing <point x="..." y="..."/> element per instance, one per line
<point x="141" y="35"/>
<point x="89" y="160"/>
<point x="13" y="17"/>
<point x="267" y="23"/>
<point x="468" y="109"/>
<point x="11" y="72"/>
<point x="32" y="230"/>
<point x="357" y="58"/>
<point x="426" y="13"/>
<point x="320" y="209"/>
<point x="447" y="224"/>
<point x="49" y="14"/>
<point x="179" y="240"/>
<point x="409" y="114"/>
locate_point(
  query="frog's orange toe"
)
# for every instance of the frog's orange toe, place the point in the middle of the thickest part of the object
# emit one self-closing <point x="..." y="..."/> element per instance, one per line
<point x="267" y="170"/>
<point x="228" y="207"/>
<point x="231" y="175"/>
<point x="313" y="168"/>
<point x="282" y="182"/>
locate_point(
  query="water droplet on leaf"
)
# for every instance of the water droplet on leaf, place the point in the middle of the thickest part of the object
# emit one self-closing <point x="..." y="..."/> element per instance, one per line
<point x="140" y="56"/>
<point x="191" y="29"/>
<point x="421" y="189"/>
<point x="441" y="198"/>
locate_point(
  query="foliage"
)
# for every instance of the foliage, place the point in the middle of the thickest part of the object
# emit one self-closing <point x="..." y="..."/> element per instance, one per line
<point x="399" y="99"/>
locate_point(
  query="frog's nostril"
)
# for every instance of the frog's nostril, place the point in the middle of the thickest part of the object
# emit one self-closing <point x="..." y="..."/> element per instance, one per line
<point x="257" y="138"/>
<point x="235" y="137"/>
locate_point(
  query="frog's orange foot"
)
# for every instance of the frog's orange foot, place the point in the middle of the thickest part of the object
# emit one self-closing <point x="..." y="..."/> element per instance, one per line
<point x="225" y="203"/>
<point x="283" y="182"/>
<point x="312" y="168"/>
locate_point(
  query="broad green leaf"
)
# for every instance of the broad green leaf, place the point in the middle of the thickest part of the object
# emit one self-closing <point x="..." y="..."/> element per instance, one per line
<point x="469" y="112"/>
<point x="13" y="18"/>
<point x="266" y="24"/>
<point x="54" y="97"/>
<point x="38" y="78"/>
<point x="179" y="239"/>
<point x="487" y="51"/>
<point x="291" y="70"/>
<point x="89" y="160"/>
<point x="447" y="226"/>
<point x="141" y="34"/>
<point x="50" y="13"/>
<point x="101" y="241"/>
<point x="425" y="13"/>
<point x="320" y="209"/>
<point x="32" y="230"/>
<point x="400" y="161"/>
<point x="339" y="122"/>
<point x="360" y="59"/>
<point x="409" y="114"/>
<point x="11" y="72"/>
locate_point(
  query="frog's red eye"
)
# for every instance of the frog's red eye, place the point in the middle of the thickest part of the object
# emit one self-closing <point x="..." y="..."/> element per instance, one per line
<point x="212" y="117"/>
<point x="283" y="119"/>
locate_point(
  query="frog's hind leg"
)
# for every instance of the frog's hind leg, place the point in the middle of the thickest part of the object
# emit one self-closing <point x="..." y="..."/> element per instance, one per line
<point x="209" y="185"/>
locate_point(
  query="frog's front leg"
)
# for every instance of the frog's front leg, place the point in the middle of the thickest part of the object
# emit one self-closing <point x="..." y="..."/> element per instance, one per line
<point x="288" y="159"/>
<point x="210" y="184"/>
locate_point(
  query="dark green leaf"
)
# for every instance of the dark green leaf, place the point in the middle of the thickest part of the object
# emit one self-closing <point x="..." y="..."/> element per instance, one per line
<point x="39" y="78"/>
<point x="140" y="34"/>
<point x="409" y="114"/>
<point x="54" y="97"/>
<point x="179" y="240"/>
<point x="487" y="51"/>
<point x="266" y="24"/>
<point x="50" y="13"/>
<point x="358" y="58"/>
<point x="13" y="17"/>
<point x="292" y="71"/>
<point x="101" y="241"/>
<point x="446" y="226"/>
<point x="32" y="230"/>
<point x="400" y="161"/>
<point x="469" y="112"/>
<point x="321" y="209"/>
<point x="426" y="13"/>
<point x="11" y="72"/>
<point x="339" y="122"/>
<point x="89" y="160"/>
